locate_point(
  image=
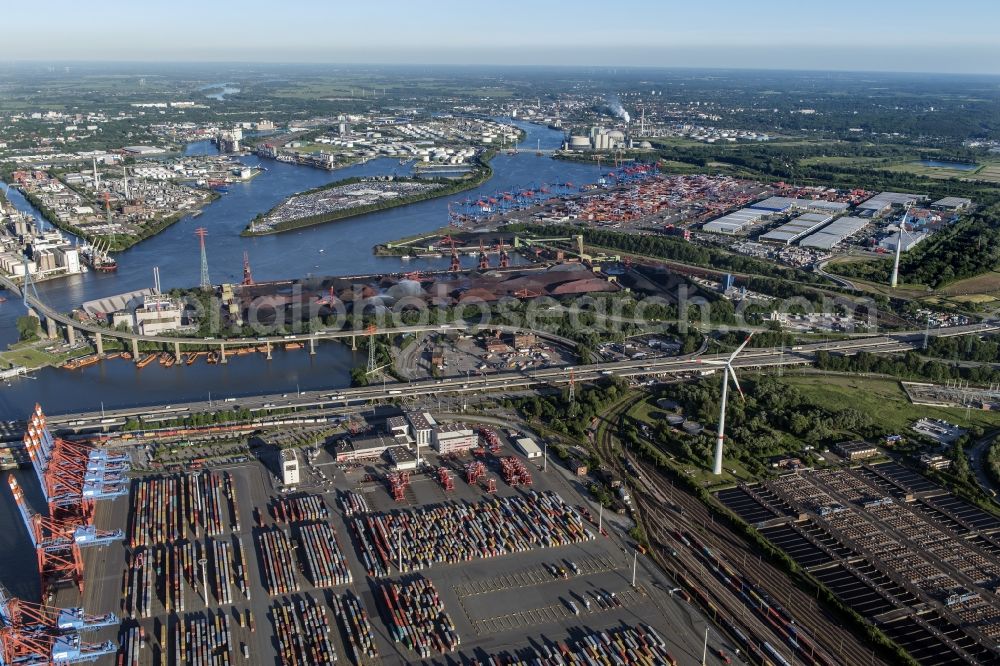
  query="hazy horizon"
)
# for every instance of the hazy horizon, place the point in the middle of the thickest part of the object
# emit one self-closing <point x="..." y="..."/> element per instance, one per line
<point x="887" y="36"/>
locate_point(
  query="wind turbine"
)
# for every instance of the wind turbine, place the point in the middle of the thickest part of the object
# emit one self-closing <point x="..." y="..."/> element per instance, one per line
<point x="727" y="372"/>
<point x="899" y="249"/>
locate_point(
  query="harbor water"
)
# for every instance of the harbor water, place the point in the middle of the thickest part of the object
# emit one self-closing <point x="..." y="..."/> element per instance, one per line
<point x="337" y="248"/>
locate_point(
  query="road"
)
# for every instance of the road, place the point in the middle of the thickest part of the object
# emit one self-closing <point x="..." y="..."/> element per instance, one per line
<point x="507" y="381"/>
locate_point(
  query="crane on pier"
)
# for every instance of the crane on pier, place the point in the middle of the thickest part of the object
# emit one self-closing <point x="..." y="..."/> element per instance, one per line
<point x="247" y="275"/>
<point x="57" y="542"/>
<point x="38" y="635"/>
<point x="456" y="265"/>
<point x="484" y="260"/>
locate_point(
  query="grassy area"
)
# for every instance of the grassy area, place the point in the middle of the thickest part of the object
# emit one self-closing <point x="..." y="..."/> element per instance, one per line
<point x="33" y="355"/>
<point x="881" y="398"/>
<point x="648" y="412"/>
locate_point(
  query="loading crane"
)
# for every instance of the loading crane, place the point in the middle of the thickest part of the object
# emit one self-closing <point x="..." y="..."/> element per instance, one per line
<point x="57" y="542"/>
<point x="540" y="242"/>
<point x="37" y="635"/>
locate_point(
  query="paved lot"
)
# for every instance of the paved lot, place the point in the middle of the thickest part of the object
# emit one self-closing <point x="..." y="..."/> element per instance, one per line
<point x="498" y="605"/>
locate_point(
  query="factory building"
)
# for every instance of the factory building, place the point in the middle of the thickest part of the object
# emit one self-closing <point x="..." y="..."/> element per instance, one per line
<point x="735" y="222"/>
<point x="855" y="450"/>
<point x="421" y="425"/>
<point x="454" y="438"/>
<point x="952" y="204"/>
<point x="909" y="241"/>
<point x="289" y="468"/>
<point x="797" y="228"/>
<point x="528" y="447"/>
<point x="885" y="201"/>
<point x="837" y="231"/>
<point x="150" y="315"/>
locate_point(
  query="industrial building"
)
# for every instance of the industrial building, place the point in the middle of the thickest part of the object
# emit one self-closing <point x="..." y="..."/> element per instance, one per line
<point x="355" y="449"/>
<point x="855" y="450"/>
<point x="837" y="231"/>
<point x="952" y="204"/>
<point x="797" y="228"/>
<point x="454" y="438"/>
<point x="421" y="424"/>
<point x="150" y="314"/>
<point x="785" y="204"/>
<point x="735" y="222"/>
<point x="909" y="240"/>
<point x="289" y="468"/>
<point x="528" y="447"/>
<point x="884" y="201"/>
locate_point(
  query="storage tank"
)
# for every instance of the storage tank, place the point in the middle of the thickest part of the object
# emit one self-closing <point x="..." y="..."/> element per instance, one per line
<point x="578" y="142"/>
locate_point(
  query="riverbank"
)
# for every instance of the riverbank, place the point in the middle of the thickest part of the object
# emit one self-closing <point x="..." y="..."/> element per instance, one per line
<point x="480" y="175"/>
<point x="117" y="243"/>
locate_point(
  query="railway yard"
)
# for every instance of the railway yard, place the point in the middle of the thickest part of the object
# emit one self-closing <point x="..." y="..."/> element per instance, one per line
<point x="908" y="555"/>
<point x="488" y="561"/>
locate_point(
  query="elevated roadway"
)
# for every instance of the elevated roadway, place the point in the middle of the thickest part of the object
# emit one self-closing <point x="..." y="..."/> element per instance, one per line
<point x="507" y="381"/>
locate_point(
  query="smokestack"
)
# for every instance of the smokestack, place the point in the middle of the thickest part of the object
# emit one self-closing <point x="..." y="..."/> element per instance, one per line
<point x="125" y="181"/>
<point x="97" y="180"/>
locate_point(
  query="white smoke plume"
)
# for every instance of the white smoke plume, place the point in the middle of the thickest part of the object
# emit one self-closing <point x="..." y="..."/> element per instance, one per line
<point x="617" y="110"/>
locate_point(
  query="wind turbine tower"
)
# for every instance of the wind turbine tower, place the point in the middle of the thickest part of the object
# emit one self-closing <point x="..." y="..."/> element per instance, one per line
<point x="899" y="249"/>
<point x="727" y="372"/>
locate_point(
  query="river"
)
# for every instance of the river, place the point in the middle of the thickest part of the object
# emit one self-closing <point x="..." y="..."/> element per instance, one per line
<point x="337" y="248"/>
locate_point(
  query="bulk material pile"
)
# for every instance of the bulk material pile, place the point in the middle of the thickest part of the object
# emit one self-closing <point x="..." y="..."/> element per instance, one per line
<point x="417" y="618"/>
<point x="622" y="646"/>
<point x="352" y="503"/>
<point x="276" y="556"/>
<point x="301" y="630"/>
<point x="321" y="552"/>
<point x="450" y="533"/>
<point x="356" y="627"/>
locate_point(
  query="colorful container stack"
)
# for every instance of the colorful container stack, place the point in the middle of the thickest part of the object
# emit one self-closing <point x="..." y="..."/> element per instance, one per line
<point x="279" y="572"/>
<point x="451" y="533"/>
<point x="300" y="509"/>
<point x="323" y="557"/>
<point x="301" y="630"/>
<point x="352" y="503"/>
<point x="417" y="617"/>
<point x="356" y="627"/>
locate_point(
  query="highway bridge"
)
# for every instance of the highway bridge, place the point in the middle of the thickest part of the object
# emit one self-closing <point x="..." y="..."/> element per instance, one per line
<point x="55" y="320"/>
<point x="508" y="381"/>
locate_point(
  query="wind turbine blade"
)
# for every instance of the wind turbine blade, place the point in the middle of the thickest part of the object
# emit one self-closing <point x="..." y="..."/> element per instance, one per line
<point x="736" y="382"/>
<point x="740" y="348"/>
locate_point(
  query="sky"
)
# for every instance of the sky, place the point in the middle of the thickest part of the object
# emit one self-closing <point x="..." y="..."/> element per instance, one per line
<point x="959" y="36"/>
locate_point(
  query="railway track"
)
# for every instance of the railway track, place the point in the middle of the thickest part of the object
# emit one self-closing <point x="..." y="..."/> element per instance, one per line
<point x="832" y="642"/>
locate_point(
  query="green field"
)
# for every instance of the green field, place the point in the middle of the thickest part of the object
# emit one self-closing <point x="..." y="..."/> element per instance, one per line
<point x="33" y="355"/>
<point x="881" y="398"/>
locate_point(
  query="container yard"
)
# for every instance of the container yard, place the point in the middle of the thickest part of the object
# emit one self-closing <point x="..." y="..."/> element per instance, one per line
<point x="209" y="556"/>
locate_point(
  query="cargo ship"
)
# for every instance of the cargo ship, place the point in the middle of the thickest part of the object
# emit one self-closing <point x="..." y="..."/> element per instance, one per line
<point x="97" y="257"/>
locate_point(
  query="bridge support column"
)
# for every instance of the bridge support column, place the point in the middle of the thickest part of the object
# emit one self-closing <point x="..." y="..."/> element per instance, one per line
<point x="177" y="351"/>
<point x="51" y="328"/>
<point x="222" y="354"/>
<point x="312" y="346"/>
<point x="71" y="335"/>
<point x="99" y="343"/>
<point x="269" y="351"/>
<point x="354" y="344"/>
<point x="135" y="350"/>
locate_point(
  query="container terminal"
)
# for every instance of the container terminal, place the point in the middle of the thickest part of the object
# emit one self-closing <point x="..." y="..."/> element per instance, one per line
<point x="410" y="546"/>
